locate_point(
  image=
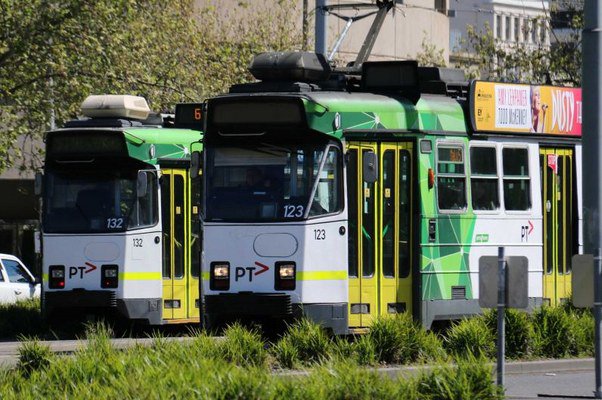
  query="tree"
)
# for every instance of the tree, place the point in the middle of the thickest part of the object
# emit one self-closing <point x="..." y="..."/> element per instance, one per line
<point x="537" y="62"/>
<point x="53" y="53"/>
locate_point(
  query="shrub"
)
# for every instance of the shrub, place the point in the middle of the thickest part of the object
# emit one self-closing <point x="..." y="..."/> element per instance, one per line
<point x="21" y="318"/>
<point x="518" y="330"/>
<point x="340" y="380"/>
<point x="554" y="336"/>
<point x="399" y="339"/>
<point x="243" y="346"/>
<point x="583" y="327"/>
<point x="33" y="356"/>
<point x="304" y="342"/>
<point x="360" y="350"/>
<point x="469" y="379"/>
<point x="99" y="335"/>
<point x="470" y="337"/>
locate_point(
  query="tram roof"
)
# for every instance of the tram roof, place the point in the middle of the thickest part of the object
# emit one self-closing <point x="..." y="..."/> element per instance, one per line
<point x="370" y="111"/>
<point x="148" y="144"/>
<point x="339" y="112"/>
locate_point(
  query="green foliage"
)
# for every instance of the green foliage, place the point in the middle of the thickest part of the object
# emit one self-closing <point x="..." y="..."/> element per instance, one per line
<point x="53" y="53"/>
<point x="583" y="326"/>
<point x="243" y="347"/>
<point x="342" y="380"/>
<point x="33" y="356"/>
<point x="554" y="333"/>
<point x="21" y="318"/>
<point x="359" y="349"/>
<point x="399" y="339"/>
<point x="470" y="379"/>
<point x="518" y="329"/>
<point x="470" y="337"/>
<point x="431" y="55"/>
<point x="304" y="342"/>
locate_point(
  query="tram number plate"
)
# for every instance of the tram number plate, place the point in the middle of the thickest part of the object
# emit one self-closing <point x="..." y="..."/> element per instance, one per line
<point x="319" y="234"/>
<point x="137" y="242"/>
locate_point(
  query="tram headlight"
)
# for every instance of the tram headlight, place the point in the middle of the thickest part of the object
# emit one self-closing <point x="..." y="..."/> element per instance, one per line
<point x="286" y="273"/>
<point x="109" y="276"/>
<point x="219" y="276"/>
<point x="56" y="277"/>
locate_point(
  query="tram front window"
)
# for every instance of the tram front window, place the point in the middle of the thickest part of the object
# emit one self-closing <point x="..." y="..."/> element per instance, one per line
<point x="97" y="201"/>
<point x="273" y="183"/>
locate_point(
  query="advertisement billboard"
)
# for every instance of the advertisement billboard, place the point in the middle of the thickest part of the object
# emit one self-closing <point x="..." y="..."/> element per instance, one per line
<point x="517" y="108"/>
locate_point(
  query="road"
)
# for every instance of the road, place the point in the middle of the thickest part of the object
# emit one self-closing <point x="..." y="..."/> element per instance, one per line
<point x="555" y="379"/>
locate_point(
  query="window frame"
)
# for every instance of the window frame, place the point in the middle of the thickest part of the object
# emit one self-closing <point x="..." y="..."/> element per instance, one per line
<point x="528" y="178"/>
<point x="462" y="146"/>
<point x="498" y="177"/>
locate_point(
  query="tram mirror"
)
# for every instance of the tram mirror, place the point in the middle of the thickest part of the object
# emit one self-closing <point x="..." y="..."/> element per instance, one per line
<point x="583" y="278"/>
<point x="195" y="164"/>
<point x="37" y="185"/>
<point x="141" y="184"/>
<point x="370" y="162"/>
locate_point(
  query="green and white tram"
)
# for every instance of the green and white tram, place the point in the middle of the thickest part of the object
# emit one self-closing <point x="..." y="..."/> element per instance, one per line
<point x="119" y="211"/>
<point x="344" y="195"/>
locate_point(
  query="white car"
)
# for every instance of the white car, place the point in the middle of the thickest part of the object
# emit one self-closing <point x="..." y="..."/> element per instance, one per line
<point x="16" y="282"/>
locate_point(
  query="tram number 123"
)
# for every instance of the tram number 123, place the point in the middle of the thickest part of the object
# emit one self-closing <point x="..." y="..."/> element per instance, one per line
<point x="319" y="234"/>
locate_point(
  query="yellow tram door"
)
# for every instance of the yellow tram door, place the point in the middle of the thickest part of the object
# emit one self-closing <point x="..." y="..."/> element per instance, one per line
<point x="176" y="231"/>
<point x="559" y="219"/>
<point x="363" y="238"/>
<point x="394" y="225"/>
<point x="194" y="255"/>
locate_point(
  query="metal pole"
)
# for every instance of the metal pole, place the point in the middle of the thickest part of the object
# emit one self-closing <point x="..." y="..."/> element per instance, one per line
<point x="321" y="27"/>
<point x="592" y="146"/>
<point x="598" y="321"/>
<point x="501" y="308"/>
<point x="305" y="24"/>
<point x="340" y="40"/>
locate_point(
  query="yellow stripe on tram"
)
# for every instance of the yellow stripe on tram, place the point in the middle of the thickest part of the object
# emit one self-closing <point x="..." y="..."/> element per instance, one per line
<point x="140" y="276"/>
<point x="321" y="275"/>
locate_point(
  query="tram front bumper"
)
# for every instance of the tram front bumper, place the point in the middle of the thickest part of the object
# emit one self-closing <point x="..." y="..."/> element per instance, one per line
<point x="249" y="304"/>
<point x="332" y="316"/>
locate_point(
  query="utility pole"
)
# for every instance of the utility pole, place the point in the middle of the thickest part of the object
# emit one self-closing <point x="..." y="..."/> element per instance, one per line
<point x="305" y="24"/>
<point x="592" y="162"/>
<point x="321" y="27"/>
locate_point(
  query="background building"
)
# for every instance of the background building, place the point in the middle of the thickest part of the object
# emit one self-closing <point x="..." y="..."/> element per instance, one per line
<point x="510" y="22"/>
<point x="401" y="36"/>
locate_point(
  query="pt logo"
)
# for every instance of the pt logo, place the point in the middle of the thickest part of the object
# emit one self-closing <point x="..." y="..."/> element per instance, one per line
<point x="240" y="272"/>
<point x="525" y="231"/>
<point x="75" y="271"/>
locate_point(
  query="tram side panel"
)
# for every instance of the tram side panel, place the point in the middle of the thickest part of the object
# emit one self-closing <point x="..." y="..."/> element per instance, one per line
<point x="453" y="240"/>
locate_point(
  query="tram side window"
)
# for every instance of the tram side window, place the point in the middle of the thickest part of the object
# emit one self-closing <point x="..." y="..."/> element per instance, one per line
<point x="451" y="178"/>
<point x="517" y="184"/>
<point x="484" y="178"/>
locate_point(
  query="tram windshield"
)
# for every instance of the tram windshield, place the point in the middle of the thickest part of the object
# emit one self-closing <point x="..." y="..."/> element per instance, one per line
<point x="94" y="201"/>
<point x="267" y="182"/>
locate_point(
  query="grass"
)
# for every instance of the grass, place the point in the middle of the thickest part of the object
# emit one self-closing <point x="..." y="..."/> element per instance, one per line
<point x="203" y="369"/>
<point x="242" y="365"/>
